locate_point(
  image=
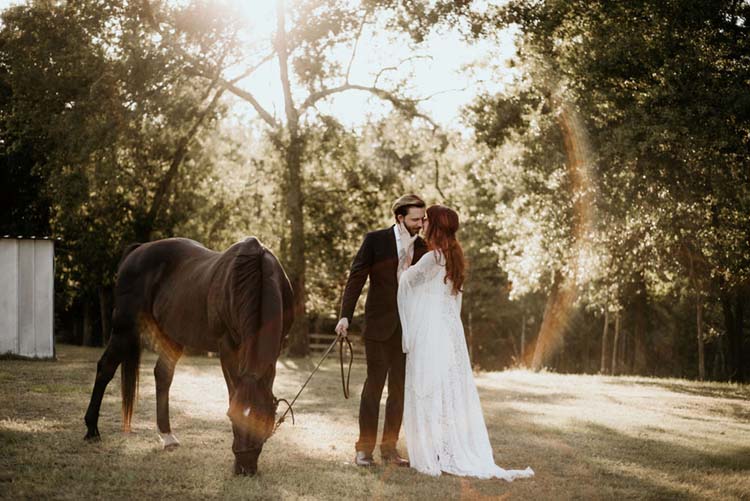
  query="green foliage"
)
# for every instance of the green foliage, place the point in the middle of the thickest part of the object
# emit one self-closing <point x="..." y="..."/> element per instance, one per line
<point x="100" y="106"/>
<point x="616" y="160"/>
<point x="352" y="179"/>
<point x="655" y="95"/>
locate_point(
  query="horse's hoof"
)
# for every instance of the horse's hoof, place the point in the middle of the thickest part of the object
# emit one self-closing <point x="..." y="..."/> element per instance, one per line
<point x="92" y="436"/>
<point x="169" y="441"/>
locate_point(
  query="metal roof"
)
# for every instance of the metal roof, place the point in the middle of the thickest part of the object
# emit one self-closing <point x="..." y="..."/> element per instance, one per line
<point x="32" y="237"/>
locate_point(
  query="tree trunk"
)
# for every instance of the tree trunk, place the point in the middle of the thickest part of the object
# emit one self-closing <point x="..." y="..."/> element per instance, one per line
<point x="615" y="344"/>
<point x="640" y="341"/>
<point x="77" y="329"/>
<point x="719" y="369"/>
<point x="88" y="325"/>
<point x="729" y="326"/>
<point x="299" y="336"/>
<point x="522" y="356"/>
<point x="701" y="346"/>
<point x="739" y="319"/>
<point x="586" y="362"/>
<point x="299" y="345"/>
<point x="105" y="311"/>
<point x="732" y="307"/>
<point x="603" y="366"/>
<point x="621" y="352"/>
<point x="144" y="226"/>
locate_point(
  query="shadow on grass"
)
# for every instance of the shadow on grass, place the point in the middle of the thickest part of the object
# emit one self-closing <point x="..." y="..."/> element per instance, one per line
<point x="492" y="397"/>
<point x="739" y="395"/>
<point x="623" y="466"/>
<point x="699" y="389"/>
<point x="661" y="467"/>
<point x="578" y="459"/>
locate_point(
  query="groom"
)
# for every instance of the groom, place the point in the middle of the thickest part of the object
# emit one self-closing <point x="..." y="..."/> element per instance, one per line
<point x="382" y="257"/>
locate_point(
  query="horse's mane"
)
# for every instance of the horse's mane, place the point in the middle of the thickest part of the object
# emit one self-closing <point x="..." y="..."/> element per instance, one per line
<point x="260" y="305"/>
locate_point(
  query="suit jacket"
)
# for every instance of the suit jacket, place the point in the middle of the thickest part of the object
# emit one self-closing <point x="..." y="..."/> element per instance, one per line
<point x="378" y="259"/>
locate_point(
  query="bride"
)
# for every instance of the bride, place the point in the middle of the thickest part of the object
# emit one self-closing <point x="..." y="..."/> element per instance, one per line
<point x="443" y="422"/>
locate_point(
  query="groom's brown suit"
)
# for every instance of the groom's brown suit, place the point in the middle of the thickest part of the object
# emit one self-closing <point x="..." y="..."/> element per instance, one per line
<point x="378" y="259"/>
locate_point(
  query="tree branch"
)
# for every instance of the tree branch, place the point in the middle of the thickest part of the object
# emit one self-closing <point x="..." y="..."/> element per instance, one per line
<point x="247" y="96"/>
<point x="292" y="116"/>
<point x="177" y="158"/>
<point x="242" y="94"/>
<point x="405" y="105"/>
<point x="356" y="43"/>
<point x="456" y="89"/>
<point x="253" y="68"/>
<point x="201" y="70"/>
<point x="394" y="68"/>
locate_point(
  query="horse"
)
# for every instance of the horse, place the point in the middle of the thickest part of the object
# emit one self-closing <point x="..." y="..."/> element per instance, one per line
<point x="238" y="303"/>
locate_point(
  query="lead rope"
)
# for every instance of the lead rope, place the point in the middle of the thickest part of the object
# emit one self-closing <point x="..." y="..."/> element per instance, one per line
<point x="345" y="386"/>
<point x="344" y="383"/>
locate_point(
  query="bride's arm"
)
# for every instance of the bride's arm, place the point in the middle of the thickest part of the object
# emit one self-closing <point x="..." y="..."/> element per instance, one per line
<point x="422" y="272"/>
<point x="409" y="284"/>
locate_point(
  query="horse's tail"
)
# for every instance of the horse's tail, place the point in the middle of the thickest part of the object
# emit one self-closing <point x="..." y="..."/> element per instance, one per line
<point x="129" y="369"/>
<point x="131" y="359"/>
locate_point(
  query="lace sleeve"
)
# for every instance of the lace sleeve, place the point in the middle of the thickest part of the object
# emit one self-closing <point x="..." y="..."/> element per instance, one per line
<point x="423" y="271"/>
<point x="410" y="283"/>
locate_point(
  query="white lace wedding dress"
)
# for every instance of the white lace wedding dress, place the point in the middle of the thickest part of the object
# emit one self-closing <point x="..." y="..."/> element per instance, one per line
<point x="443" y="422"/>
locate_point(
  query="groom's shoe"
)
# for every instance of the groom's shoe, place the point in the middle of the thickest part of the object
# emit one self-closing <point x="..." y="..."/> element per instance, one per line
<point x="392" y="458"/>
<point x="363" y="459"/>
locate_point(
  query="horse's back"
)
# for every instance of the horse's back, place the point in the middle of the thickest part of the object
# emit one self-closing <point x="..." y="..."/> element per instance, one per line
<point x="167" y="281"/>
<point x="159" y="252"/>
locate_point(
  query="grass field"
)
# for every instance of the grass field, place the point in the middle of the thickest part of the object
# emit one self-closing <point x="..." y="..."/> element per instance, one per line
<point x="587" y="437"/>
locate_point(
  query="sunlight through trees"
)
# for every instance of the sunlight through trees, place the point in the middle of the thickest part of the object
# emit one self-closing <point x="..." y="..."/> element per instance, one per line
<point x="600" y="166"/>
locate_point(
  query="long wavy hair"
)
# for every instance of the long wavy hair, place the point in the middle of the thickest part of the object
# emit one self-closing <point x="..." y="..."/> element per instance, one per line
<point x="441" y="237"/>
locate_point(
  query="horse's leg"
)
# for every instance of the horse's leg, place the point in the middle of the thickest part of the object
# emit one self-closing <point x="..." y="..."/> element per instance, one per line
<point x="163" y="373"/>
<point x="123" y="348"/>
<point x="229" y="365"/>
<point x="105" y="371"/>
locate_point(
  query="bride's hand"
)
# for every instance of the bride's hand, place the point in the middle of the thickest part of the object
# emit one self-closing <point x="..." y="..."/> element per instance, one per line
<point x="407" y="239"/>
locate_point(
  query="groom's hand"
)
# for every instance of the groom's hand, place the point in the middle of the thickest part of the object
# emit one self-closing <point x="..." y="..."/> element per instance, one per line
<point x="342" y="327"/>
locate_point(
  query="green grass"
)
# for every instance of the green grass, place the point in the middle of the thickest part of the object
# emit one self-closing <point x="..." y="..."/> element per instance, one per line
<point x="587" y="437"/>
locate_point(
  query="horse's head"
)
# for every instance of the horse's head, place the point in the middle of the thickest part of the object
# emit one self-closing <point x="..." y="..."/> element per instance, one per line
<point x="252" y="410"/>
<point x="263" y="313"/>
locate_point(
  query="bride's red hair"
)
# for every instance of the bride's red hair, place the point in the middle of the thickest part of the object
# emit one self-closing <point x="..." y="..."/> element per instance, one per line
<point x="441" y="237"/>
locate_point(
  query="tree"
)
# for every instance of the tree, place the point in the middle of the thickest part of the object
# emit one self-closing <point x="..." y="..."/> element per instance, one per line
<point x="305" y="38"/>
<point x="669" y="179"/>
<point x="110" y="121"/>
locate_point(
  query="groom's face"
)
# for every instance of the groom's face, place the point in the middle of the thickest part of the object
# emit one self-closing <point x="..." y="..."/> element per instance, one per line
<point x="413" y="220"/>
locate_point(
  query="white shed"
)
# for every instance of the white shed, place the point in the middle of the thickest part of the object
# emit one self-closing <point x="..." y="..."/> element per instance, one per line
<point x="27" y="279"/>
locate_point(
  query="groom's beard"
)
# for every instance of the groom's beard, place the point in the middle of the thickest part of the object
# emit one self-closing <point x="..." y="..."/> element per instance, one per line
<point x="413" y="231"/>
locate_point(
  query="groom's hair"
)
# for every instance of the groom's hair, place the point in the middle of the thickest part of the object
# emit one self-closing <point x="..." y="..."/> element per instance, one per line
<point x="401" y="206"/>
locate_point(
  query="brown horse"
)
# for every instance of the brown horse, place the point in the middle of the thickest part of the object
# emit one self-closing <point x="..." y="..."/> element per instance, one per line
<point x="238" y="303"/>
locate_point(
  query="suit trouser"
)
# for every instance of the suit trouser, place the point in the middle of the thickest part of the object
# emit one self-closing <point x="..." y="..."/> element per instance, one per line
<point x="384" y="359"/>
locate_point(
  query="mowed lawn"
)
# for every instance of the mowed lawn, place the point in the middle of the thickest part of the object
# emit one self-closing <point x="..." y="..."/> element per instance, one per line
<point x="587" y="437"/>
